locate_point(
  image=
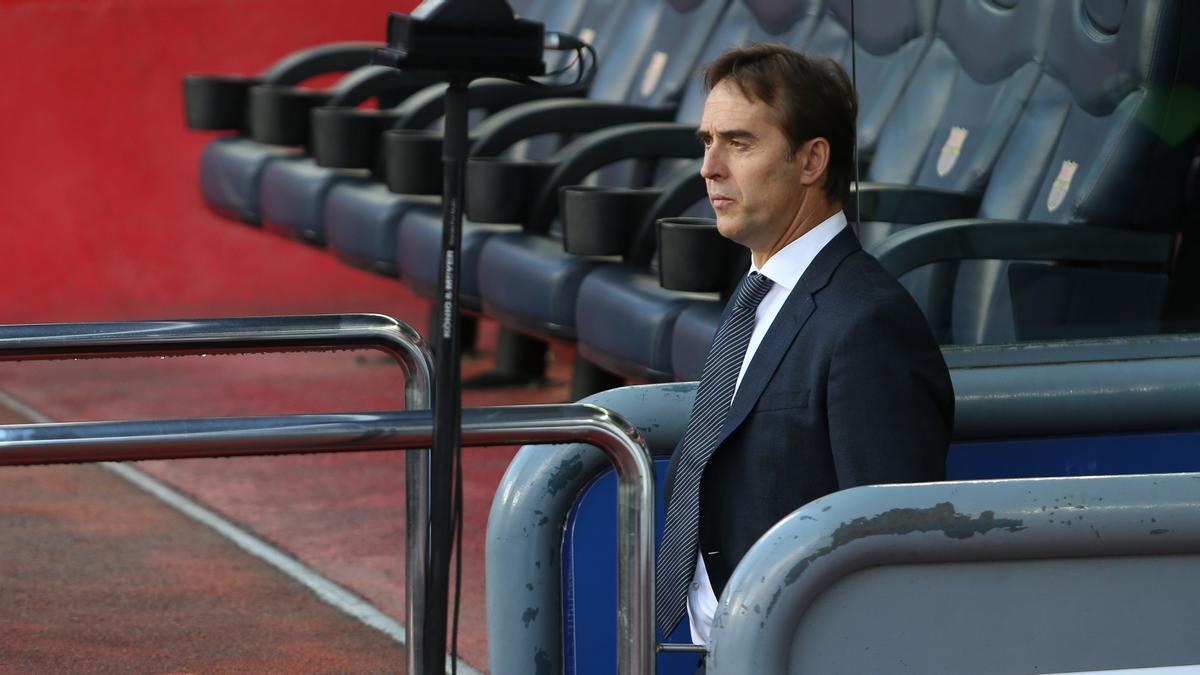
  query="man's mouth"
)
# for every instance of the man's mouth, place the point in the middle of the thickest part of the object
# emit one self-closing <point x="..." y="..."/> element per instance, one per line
<point x="719" y="201"/>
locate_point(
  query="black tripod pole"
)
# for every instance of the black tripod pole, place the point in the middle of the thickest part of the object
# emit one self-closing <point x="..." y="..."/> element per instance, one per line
<point x="447" y="392"/>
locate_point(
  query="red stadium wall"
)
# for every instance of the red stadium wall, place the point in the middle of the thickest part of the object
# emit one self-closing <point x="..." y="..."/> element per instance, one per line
<point x="99" y="210"/>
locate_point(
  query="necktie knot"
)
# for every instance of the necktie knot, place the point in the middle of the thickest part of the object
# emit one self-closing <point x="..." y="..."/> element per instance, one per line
<point x="752" y="290"/>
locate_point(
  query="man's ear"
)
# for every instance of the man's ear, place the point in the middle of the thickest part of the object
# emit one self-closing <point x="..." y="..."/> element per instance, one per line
<point x="812" y="159"/>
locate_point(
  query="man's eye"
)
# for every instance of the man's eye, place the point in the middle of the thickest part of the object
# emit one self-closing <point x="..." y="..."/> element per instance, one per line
<point x="736" y="144"/>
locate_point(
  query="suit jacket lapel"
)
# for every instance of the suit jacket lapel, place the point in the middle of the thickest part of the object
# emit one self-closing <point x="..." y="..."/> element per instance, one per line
<point x="792" y="317"/>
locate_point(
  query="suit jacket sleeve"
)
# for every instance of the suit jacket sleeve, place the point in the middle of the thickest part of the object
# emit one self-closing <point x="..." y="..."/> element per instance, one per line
<point x="890" y="402"/>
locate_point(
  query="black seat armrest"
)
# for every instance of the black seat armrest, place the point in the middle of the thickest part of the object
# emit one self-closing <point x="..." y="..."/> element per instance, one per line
<point x="388" y="85"/>
<point x="598" y="149"/>
<point x="222" y="102"/>
<point x="349" y="138"/>
<point x="680" y="191"/>
<point x="556" y="116"/>
<point x="422" y="108"/>
<point x="345" y="137"/>
<point x="1017" y="240"/>
<point x="693" y="256"/>
<point x="331" y="58"/>
<point x="602" y="221"/>
<point x="280" y="112"/>
<point x="281" y="115"/>
<point x="908" y="204"/>
<point x="217" y="102"/>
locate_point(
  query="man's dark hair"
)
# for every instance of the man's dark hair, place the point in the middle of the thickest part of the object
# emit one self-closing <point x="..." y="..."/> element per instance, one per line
<point x="813" y="97"/>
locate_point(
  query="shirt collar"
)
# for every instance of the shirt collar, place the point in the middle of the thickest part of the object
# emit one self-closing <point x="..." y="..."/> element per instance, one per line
<point x="789" y="263"/>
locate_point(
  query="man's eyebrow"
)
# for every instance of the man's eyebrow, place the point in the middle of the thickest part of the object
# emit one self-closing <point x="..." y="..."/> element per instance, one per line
<point x="726" y="133"/>
<point x="736" y="133"/>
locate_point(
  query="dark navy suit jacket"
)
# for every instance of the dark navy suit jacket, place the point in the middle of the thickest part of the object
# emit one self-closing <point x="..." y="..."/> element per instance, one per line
<point x="847" y="387"/>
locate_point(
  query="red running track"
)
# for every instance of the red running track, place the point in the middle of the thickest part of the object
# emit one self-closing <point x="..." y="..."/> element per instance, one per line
<point x="340" y="515"/>
<point x="100" y="577"/>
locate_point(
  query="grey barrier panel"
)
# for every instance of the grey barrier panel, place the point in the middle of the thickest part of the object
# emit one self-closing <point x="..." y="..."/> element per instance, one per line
<point x="1073" y="351"/>
<point x="1131" y="389"/>
<point x="525" y="528"/>
<point x="1030" y="575"/>
<point x="1069" y="387"/>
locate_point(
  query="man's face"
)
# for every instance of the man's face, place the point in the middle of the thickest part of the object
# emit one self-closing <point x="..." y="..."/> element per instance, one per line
<point x="754" y="184"/>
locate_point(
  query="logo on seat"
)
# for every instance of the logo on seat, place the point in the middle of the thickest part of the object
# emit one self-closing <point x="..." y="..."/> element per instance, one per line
<point x="951" y="150"/>
<point x="1062" y="185"/>
<point x="653" y="73"/>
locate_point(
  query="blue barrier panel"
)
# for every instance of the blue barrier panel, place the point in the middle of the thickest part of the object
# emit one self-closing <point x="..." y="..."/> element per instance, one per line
<point x="1091" y="455"/>
<point x="590" y="583"/>
<point x="589" y="575"/>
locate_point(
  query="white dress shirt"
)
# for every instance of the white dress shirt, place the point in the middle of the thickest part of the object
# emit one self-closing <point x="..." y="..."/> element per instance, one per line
<point x="785" y="269"/>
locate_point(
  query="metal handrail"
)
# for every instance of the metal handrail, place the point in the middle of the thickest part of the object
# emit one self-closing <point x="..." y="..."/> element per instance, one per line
<point x="298" y="434"/>
<point x="356" y="432"/>
<point x="266" y="334"/>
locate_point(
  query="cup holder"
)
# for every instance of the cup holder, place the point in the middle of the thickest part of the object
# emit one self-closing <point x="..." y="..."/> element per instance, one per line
<point x="279" y="115"/>
<point x="217" y="102"/>
<point x="602" y="220"/>
<point x="693" y="256"/>
<point x="412" y="161"/>
<point x="502" y="190"/>
<point x="349" y="138"/>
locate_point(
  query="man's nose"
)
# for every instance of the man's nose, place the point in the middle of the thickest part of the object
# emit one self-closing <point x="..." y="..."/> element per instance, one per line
<point x="712" y="168"/>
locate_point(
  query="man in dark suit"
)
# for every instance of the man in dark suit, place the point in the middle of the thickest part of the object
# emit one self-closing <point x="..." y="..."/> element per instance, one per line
<point x="824" y="374"/>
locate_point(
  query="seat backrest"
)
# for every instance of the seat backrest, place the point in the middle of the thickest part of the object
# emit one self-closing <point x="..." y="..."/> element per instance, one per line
<point x="1108" y="134"/>
<point x="968" y="90"/>
<point x="649" y="63"/>
<point x="1106" y="139"/>
<point x="673" y="78"/>
<point x="596" y="22"/>
<point x="747" y="22"/>
<point x="531" y="9"/>
<point x="890" y="37"/>
<point x="893" y="39"/>
<point x="650" y="60"/>
<point x="600" y="23"/>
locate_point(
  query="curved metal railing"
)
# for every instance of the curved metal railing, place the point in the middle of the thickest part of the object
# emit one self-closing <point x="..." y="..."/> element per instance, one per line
<point x="356" y="432"/>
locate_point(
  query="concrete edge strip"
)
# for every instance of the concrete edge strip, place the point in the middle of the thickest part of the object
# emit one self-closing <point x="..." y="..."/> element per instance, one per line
<point x="328" y="591"/>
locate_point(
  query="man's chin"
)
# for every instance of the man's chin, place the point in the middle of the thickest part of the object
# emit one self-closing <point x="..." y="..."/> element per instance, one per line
<point x="729" y="229"/>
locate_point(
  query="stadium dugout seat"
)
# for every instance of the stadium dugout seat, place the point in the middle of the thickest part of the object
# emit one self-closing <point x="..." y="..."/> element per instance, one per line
<point x="1105" y="142"/>
<point x="348" y="141"/>
<point x="271" y="113"/>
<point x="889" y="39"/>
<point x="1094" y="177"/>
<point x="526" y="279"/>
<point x="363" y="220"/>
<point x="936" y="150"/>
<point x="648" y="63"/>
<point x="625" y="321"/>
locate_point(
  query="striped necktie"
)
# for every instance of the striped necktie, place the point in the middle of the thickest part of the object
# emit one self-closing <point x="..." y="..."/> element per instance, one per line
<point x="677" y="555"/>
